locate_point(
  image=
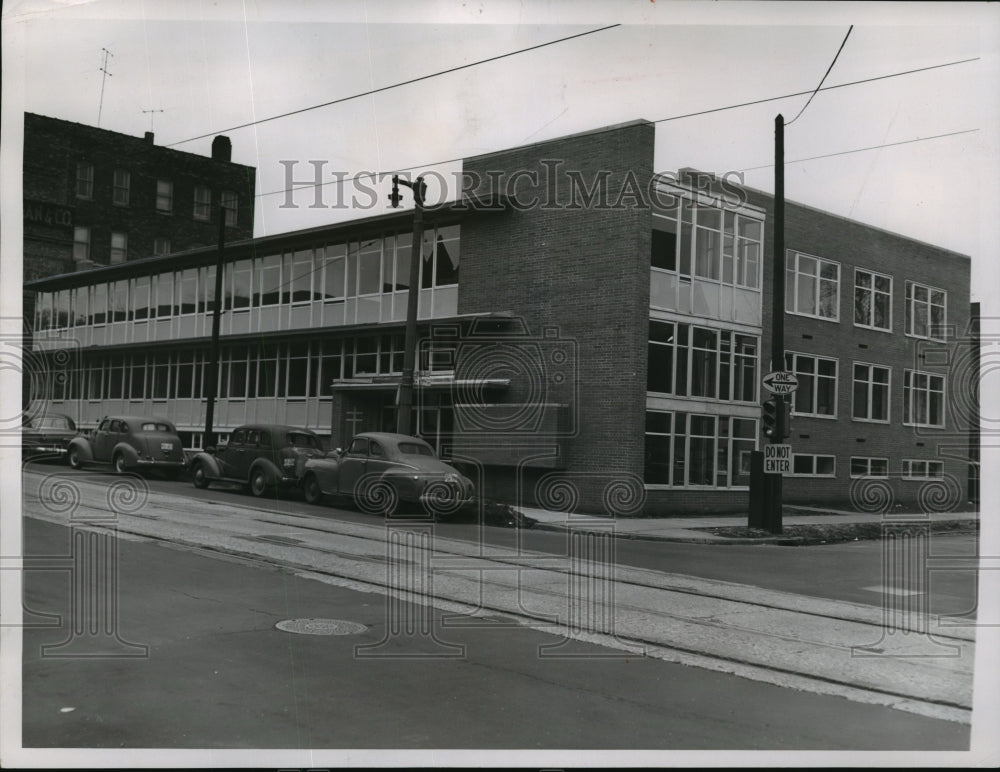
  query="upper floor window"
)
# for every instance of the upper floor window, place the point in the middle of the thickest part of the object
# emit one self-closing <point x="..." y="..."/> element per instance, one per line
<point x="231" y="204"/>
<point x="119" y="247"/>
<point x="161" y="246"/>
<point x="81" y="243"/>
<point x="122" y="187"/>
<point x="202" y="202"/>
<point x="871" y="392"/>
<point x="685" y="360"/>
<point x="926" y="309"/>
<point x="816" y="394"/>
<point x="923" y="399"/>
<point x="812" y="286"/>
<point x="84" y="180"/>
<point x="872" y="300"/>
<point x="164" y="196"/>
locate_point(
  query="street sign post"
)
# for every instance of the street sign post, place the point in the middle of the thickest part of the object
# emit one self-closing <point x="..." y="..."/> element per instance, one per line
<point x="777" y="459"/>
<point x="781" y="382"/>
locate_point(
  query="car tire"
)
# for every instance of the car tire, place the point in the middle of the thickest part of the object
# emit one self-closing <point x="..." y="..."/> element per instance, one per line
<point x="121" y="467"/>
<point x="73" y="459"/>
<point x="311" y="490"/>
<point x="258" y="484"/>
<point x="198" y="475"/>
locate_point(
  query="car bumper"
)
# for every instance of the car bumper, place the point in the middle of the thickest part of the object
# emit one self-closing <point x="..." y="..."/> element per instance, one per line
<point x="47" y="450"/>
<point x="162" y="463"/>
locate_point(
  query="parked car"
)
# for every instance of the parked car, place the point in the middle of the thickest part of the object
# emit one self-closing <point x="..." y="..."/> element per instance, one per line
<point x="260" y="456"/>
<point x="47" y="434"/>
<point x="380" y="471"/>
<point x="128" y="443"/>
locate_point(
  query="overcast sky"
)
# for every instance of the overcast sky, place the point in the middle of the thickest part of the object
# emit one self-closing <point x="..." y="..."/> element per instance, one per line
<point x="211" y="66"/>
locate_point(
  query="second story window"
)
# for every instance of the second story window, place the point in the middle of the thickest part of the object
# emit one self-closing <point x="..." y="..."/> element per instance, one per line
<point x="119" y="247"/>
<point x="812" y="286"/>
<point x="231" y="203"/>
<point x="925" y="311"/>
<point x="84" y="180"/>
<point x="161" y="246"/>
<point x="122" y="185"/>
<point x="872" y="300"/>
<point x="81" y="243"/>
<point x="202" y="203"/>
<point x="164" y="196"/>
<point x="816" y="394"/>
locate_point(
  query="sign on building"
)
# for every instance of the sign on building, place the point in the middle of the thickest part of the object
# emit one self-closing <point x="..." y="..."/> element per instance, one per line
<point x="777" y="459"/>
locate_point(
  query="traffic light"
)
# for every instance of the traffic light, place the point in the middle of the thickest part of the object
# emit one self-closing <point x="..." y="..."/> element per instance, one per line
<point x="394" y="197"/>
<point x="777" y="418"/>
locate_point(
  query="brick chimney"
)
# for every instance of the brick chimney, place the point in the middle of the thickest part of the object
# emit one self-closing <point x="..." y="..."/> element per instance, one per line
<point x="222" y="149"/>
<point x="149" y="138"/>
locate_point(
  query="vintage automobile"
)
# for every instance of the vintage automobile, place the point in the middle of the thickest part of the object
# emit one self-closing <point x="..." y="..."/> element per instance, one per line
<point x="47" y="434"/>
<point x="130" y="443"/>
<point x="259" y="456"/>
<point x="380" y="472"/>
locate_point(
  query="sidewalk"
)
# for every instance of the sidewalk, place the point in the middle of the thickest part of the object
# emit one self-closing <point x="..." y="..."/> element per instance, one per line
<point x="691" y="529"/>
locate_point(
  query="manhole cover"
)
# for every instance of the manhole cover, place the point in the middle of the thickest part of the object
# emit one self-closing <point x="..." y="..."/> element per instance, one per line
<point x="321" y="627"/>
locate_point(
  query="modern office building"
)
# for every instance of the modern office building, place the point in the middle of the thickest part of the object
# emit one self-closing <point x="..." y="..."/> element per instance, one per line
<point x="593" y="337"/>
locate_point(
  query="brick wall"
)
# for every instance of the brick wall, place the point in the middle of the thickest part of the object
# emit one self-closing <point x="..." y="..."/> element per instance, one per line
<point x="583" y="272"/>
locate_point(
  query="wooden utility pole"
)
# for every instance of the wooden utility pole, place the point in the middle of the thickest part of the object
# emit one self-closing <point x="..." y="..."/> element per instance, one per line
<point x="212" y="387"/>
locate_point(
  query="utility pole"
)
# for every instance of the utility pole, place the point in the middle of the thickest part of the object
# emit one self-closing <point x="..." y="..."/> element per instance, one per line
<point x="773" y="500"/>
<point x="104" y="69"/>
<point x="405" y="401"/>
<point x="212" y="387"/>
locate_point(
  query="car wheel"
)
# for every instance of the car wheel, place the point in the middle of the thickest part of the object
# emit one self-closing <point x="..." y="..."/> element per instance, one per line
<point x="74" y="459"/>
<point x="258" y="482"/>
<point x="311" y="489"/>
<point x="119" y="462"/>
<point x="198" y="475"/>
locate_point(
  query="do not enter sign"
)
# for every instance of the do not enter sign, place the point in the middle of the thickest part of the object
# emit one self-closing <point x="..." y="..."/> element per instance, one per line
<point x="777" y="459"/>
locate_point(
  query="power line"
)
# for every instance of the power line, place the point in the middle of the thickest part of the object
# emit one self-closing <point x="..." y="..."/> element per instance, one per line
<point x="396" y="85"/>
<point x="863" y="149"/>
<point x="836" y="56"/>
<point x="341" y="180"/>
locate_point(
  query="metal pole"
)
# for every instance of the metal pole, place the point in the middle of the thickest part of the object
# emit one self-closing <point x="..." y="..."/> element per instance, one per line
<point x="405" y="407"/>
<point x="778" y="310"/>
<point x="212" y="387"/>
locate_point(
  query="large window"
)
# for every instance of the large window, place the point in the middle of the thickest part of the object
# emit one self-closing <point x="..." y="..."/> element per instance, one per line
<point x="915" y="469"/>
<point x="871" y="393"/>
<point x="709" y="243"/>
<point x="299" y="270"/>
<point x="202" y="202"/>
<point x="812" y="286"/>
<point x="164" y="196"/>
<point x="810" y="465"/>
<point x="334" y="272"/>
<point x="84" y="180"/>
<point x="685" y="360"/>
<point x="864" y="466"/>
<point x="816" y="394"/>
<point x="81" y="243"/>
<point x="119" y="301"/>
<point x="119" y="247"/>
<point x="122" y="187"/>
<point x="440" y="257"/>
<point x="238" y="296"/>
<point x="186" y="292"/>
<point x="687" y="449"/>
<point x="267" y="290"/>
<point x="926" y="309"/>
<point x="142" y="307"/>
<point x="923" y="399"/>
<point x="872" y="300"/>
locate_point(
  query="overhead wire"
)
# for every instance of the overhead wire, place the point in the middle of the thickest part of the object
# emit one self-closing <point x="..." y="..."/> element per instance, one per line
<point x="836" y="56"/>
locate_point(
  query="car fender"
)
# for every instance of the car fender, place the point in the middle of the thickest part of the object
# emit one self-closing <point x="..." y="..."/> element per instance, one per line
<point x="270" y="469"/>
<point x="131" y="456"/>
<point x="210" y="462"/>
<point x="327" y="472"/>
<point x="83" y="447"/>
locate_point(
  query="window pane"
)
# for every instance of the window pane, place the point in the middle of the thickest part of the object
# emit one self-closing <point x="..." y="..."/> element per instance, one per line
<point x="806" y="295"/>
<point x="825" y="464"/>
<point x="664" y="245"/>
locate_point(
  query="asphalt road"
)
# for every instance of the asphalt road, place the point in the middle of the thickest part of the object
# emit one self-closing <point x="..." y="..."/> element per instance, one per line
<point x="218" y="674"/>
<point x="849" y="571"/>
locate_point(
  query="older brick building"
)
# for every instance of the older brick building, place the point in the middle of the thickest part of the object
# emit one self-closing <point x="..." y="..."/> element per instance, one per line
<point x="96" y="197"/>
<point x="593" y="337"/>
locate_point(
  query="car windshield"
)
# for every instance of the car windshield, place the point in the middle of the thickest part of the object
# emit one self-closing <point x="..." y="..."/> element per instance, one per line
<point x="150" y="426"/>
<point x="52" y="422"/>
<point x="415" y="449"/>
<point x="302" y="440"/>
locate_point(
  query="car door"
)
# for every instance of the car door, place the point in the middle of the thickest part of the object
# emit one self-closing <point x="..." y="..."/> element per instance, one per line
<point x="353" y="465"/>
<point x="105" y="438"/>
<point x="232" y="454"/>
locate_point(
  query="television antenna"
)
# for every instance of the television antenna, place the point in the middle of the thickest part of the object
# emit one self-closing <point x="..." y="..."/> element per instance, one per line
<point x="104" y="69"/>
